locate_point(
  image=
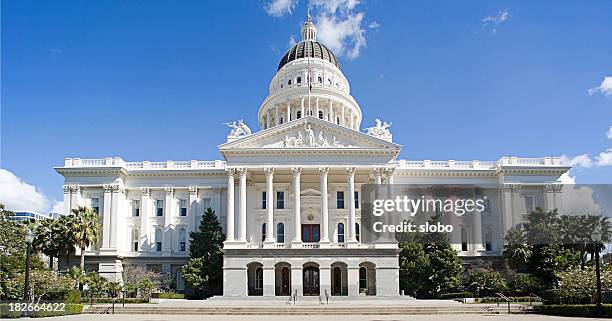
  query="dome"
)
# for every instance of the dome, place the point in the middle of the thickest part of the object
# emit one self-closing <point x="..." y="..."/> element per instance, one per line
<point x="312" y="49"/>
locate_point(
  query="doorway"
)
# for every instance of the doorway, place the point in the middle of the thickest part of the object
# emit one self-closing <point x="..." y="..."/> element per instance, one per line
<point x="311" y="280"/>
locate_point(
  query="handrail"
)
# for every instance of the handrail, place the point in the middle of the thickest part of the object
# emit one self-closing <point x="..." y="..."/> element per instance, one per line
<point x="106" y="310"/>
<point x="531" y="295"/>
<point x="501" y="296"/>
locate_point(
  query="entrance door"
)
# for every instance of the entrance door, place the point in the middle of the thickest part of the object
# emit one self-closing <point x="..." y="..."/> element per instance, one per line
<point x="337" y="286"/>
<point x="310" y="233"/>
<point x="311" y="280"/>
<point x="285" y="282"/>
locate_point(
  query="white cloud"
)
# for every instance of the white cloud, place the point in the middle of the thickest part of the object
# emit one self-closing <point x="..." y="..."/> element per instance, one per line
<point x="374" y="25"/>
<point x="609" y="133"/>
<point x="583" y="160"/>
<point x="578" y="200"/>
<point x="493" y="22"/>
<point x="340" y="26"/>
<point x="292" y="41"/>
<point x="605" y="158"/>
<point x="58" y="207"/>
<point x="567" y="178"/>
<point x="278" y="8"/>
<point x="605" y="88"/>
<point x="17" y="195"/>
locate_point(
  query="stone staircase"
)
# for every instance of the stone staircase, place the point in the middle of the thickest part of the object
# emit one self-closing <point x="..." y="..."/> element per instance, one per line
<point x="410" y="309"/>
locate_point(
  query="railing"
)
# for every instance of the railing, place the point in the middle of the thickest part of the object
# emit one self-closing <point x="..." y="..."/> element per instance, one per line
<point x="505" y="298"/>
<point x="476" y="164"/>
<point x="145" y="165"/>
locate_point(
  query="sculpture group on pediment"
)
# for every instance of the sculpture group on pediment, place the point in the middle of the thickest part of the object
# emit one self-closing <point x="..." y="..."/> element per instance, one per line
<point x="381" y="129"/>
<point x="306" y="138"/>
<point x="238" y="128"/>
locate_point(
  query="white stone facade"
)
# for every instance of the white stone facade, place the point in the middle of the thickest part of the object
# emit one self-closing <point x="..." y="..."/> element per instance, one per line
<point x="301" y="172"/>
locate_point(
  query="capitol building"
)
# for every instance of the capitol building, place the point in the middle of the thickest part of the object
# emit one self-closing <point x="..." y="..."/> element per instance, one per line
<point x="288" y="195"/>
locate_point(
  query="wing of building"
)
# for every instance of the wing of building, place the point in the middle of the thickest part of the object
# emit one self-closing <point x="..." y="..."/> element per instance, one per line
<point x="288" y="195"/>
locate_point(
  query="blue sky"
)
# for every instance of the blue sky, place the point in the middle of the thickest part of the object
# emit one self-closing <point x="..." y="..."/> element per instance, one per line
<point x="155" y="80"/>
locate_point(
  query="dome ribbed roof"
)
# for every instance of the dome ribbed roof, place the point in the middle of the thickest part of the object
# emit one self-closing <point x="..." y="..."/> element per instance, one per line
<point x="305" y="49"/>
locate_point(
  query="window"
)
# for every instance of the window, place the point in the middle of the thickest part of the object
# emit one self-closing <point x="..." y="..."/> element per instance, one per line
<point x="340" y="232"/>
<point x="299" y="80"/>
<point x="206" y="203"/>
<point x="320" y="114"/>
<point x="310" y="233"/>
<point x="159" y="207"/>
<point x="95" y="204"/>
<point x="528" y="204"/>
<point x="182" y="207"/>
<point x="259" y="278"/>
<point x="281" y="120"/>
<point x="280" y="233"/>
<point x="363" y="278"/>
<point x="340" y="199"/>
<point x="486" y="210"/>
<point x="356" y="199"/>
<point x="263" y="232"/>
<point x="158" y="240"/>
<point x="263" y="200"/>
<point x="464" y="241"/>
<point x="280" y="200"/>
<point x="289" y="82"/>
<point x="488" y="241"/>
<point x="320" y="79"/>
<point x="182" y="240"/>
<point x="299" y="114"/>
<point x="135" y="240"/>
<point x="135" y="208"/>
<point x="357" y="234"/>
<point x="337" y="120"/>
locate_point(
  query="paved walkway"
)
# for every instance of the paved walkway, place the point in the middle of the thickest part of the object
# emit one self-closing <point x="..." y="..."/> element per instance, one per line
<point x="502" y="317"/>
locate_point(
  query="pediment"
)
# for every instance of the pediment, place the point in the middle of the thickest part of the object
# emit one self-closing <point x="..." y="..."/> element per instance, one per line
<point x="309" y="133"/>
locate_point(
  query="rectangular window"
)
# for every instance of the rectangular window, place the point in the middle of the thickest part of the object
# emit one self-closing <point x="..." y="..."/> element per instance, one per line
<point x="280" y="200"/>
<point x="339" y="199"/>
<point x="206" y="203"/>
<point x="159" y="207"/>
<point x="528" y="204"/>
<point x="183" y="208"/>
<point x="158" y="240"/>
<point x="263" y="200"/>
<point x="95" y="204"/>
<point x="356" y="199"/>
<point x="135" y="247"/>
<point x="182" y="246"/>
<point x="135" y="208"/>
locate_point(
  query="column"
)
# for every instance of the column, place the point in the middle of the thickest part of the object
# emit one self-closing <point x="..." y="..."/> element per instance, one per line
<point x="230" y="204"/>
<point x="331" y="111"/>
<point x="297" y="221"/>
<point x="342" y="121"/>
<point x="269" y="207"/>
<point x="377" y="176"/>
<point x="350" y="173"/>
<point x="267" y="119"/>
<point x="288" y="111"/>
<point x="324" y="206"/>
<point x="168" y="217"/>
<point x="106" y="216"/>
<point x="75" y="198"/>
<point x="66" y="200"/>
<point x="145" y="235"/>
<point x="115" y="222"/>
<point x="302" y="107"/>
<point x="193" y="208"/>
<point x="477" y="234"/>
<point x="242" y="205"/>
<point x="276" y="115"/>
<point x="317" y="107"/>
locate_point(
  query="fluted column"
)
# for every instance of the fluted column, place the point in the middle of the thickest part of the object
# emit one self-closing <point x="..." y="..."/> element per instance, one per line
<point x="324" y="205"/>
<point x="106" y="216"/>
<point x="297" y="221"/>
<point x="242" y="205"/>
<point x="288" y="111"/>
<point x="267" y="119"/>
<point x="350" y="173"/>
<point x="342" y="122"/>
<point x="276" y="115"/>
<point x="230" y="204"/>
<point x="317" y="107"/>
<point x="168" y="220"/>
<point x="269" y="206"/>
<point x="302" y="108"/>
<point x="144" y="219"/>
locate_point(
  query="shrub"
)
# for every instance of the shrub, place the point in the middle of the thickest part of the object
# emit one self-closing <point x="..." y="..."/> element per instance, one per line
<point x="485" y="283"/>
<point x="71" y="308"/>
<point x="72" y="296"/>
<point x="573" y="310"/>
<point x="524" y="284"/>
<point x="168" y="296"/>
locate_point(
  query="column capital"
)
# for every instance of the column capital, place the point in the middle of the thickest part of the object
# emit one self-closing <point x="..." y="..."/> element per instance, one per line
<point x="389" y="171"/>
<point x="107" y="188"/>
<point x="169" y="190"/>
<point x="323" y="171"/>
<point x="230" y="171"/>
<point x="296" y="171"/>
<point x="145" y="191"/>
<point x="269" y="171"/>
<point x="242" y="171"/>
<point x="377" y="171"/>
<point x="193" y="190"/>
<point x="350" y="171"/>
<point x="67" y="189"/>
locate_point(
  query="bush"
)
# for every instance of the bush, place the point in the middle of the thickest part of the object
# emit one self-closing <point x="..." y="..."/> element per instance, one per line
<point x="71" y="308"/>
<point x="557" y="296"/>
<point x="573" y="310"/>
<point x="512" y="299"/>
<point x="168" y="296"/>
<point x="120" y="300"/>
<point x="72" y="296"/>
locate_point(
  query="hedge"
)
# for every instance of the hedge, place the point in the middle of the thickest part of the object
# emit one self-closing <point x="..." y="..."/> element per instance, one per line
<point x="71" y="308"/>
<point x="512" y="299"/>
<point x="118" y="300"/>
<point x="168" y="296"/>
<point x="573" y="310"/>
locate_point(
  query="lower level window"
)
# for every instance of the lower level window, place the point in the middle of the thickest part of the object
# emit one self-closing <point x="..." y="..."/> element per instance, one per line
<point x="158" y="246"/>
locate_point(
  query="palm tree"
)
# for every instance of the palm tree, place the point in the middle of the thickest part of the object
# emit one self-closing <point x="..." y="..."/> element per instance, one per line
<point x="517" y="250"/>
<point x="85" y="229"/>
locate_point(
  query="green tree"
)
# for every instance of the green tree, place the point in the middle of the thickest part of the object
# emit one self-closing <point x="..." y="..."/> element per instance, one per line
<point x="96" y="285"/>
<point x="85" y="227"/>
<point x="486" y="283"/>
<point x="54" y="238"/>
<point x="204" y="271"/>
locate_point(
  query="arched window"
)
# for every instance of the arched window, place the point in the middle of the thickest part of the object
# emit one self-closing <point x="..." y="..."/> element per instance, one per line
<point x="263" y="232"/>
<point x="158" y="240"/>
<point x="135" y="236"/>
<point x="259" y="278"/>
<point x="363" y="279"/>
<point x="357" y="231"/>
<point x="182" y="240"/>
<point x="299" y="114"/>
<point x="320" y="114"/>
<point x="280" y="233"/>
<point x="282" y="120"/>
<point x="320" y="79"/>
<point x="337" y="120"/>
<point x="340" y="232"/>
<point x="299" y="80"/>
<point x="289" y="82"/>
